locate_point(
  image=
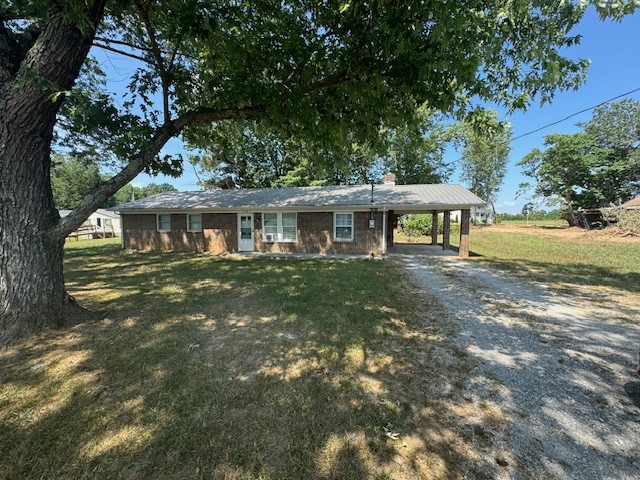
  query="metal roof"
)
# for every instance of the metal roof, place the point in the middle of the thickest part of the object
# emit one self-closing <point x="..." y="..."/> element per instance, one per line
<point x="100" y="211"/>
<point x="633" y="204"/>
<point x="419" y="197"/>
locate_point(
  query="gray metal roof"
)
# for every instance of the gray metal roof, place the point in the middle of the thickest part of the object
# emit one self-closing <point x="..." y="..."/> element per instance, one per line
<point x="100" y="211"/>
<point x="420" y="197"/>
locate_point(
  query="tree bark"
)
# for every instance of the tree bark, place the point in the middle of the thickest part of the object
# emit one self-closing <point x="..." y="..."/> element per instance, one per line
<point x="32" y="291"/>
<point x="569" y="214"/>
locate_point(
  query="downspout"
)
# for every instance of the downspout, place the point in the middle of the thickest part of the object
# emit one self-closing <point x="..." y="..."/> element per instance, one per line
<point x="384" y="231"/>
<point x="121" y="232"/>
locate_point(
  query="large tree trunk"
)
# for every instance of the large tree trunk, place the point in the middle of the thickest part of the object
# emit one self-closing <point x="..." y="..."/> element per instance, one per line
<point x="32" y="291"/>
<point x="568" y="214"/>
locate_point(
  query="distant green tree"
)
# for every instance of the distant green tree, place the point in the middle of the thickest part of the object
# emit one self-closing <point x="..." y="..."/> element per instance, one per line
<point x="155" y="188"/>
<point x="72" y="179"/>
<point x="616" y="126"/>
<point x="130" y="192"/>
<point x="247" y="155"/>
<point x="573" y="169"/>
<point x="484" y="157"/>
<point x="415" y="152"/>
<point x="241" y="155"/>
<point x="536" y="214"/>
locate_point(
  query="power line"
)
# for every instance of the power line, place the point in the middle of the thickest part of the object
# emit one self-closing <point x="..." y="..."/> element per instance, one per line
<point x="574" y="114"/>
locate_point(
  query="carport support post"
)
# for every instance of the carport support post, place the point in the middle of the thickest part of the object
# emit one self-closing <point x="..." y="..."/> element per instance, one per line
<point x="465" y="217"/>
<point x="446" y="230"/>
<point x="434" y="228"/>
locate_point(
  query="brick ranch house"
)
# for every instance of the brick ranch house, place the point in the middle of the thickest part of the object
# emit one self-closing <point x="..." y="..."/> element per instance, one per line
<point x="355" y="219"/>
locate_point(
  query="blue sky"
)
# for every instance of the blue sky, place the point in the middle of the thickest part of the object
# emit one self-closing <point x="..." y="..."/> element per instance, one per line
<point x="614" y="51"/>
<point x="612" y="47"/>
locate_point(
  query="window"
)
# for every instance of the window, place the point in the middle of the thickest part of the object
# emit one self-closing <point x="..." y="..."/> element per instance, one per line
<point x="164" y="223"/>
<point x="289" y="229"/>
<point x="194" y="222"/>
<point x="343" y="227"/>
<point x="279" y="227"/>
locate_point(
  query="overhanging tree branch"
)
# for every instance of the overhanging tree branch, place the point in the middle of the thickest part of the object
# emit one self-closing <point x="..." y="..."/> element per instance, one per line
<point x="122" y="52"/>
<point x="171" y="128"/>
<point x="204" y="115"/>
<point x="340" y="77"/>
<point x="140" y="161"/>
<point x="157" y="54"/>
<point x="124" y="44"/>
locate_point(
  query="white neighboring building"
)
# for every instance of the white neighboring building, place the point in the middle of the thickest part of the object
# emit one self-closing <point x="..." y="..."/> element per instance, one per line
<point x="482" y="214"/>
<point x="101" y="223"/>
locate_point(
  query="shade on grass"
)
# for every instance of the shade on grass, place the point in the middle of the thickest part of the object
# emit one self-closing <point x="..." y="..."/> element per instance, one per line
<point x="217" y="367"/>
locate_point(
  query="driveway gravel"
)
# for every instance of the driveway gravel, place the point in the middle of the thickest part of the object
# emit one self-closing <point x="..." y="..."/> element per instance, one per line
<point x="558" y="364"/>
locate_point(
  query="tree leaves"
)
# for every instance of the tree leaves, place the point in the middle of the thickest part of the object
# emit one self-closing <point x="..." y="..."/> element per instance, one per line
<point x="581" y="170"/>
<point x="485" y="154"/>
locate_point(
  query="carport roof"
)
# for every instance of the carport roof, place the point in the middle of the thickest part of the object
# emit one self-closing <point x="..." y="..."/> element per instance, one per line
<point x="400" y="197"/>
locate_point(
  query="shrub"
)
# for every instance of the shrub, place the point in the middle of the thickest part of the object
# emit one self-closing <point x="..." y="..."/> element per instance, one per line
<point x="625" y="219"/>
<point x="416" y="224"/>
<point x="420" y="224"/>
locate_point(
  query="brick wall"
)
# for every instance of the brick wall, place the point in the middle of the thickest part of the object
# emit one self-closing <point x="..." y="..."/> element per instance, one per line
<point x="220" y="234"/>
<point x="315" y="235"/>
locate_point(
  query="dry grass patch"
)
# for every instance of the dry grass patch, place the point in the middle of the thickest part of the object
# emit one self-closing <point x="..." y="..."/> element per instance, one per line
<point x="211" y="367"/>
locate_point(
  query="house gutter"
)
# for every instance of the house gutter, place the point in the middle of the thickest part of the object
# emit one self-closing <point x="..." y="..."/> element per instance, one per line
<point x="121" y="232"/>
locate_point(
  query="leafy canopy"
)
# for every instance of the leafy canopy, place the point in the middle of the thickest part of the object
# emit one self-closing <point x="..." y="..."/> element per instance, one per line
<point x="248" y="154"/>
<point x="72" y="179"/>
<point x="318" y="71"/>
<point x="485" y="155"/>
<point x="595" y="167"/>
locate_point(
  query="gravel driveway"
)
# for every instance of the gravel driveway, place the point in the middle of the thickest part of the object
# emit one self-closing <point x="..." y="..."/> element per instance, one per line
<point x="559" y="366"/>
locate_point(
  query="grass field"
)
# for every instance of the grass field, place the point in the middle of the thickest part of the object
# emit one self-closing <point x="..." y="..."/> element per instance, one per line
<point x="553" y="254"/>
<point x="222" y="367"/>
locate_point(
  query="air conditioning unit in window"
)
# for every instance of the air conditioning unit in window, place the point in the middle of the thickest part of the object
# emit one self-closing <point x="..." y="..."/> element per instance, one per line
<point x="269" y="237"/>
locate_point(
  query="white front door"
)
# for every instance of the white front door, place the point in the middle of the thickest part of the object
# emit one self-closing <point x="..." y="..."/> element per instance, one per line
<point x="245" y="232"/>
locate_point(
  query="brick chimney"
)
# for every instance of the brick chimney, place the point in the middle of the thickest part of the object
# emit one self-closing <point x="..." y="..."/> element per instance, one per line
<point x="389" y="178"/>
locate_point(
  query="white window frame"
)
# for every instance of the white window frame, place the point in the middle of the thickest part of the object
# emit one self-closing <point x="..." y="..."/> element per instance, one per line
<point x="335" y="226"/>
<point x="158" y="215"/>
<point x="279" y="233"/>
<point x="189" y="215"/>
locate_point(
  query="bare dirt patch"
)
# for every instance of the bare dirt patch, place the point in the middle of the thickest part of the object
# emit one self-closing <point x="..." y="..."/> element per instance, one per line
<point x="573" y="234"/>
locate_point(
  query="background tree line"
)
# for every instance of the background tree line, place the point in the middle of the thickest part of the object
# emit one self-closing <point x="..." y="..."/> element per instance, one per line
<point x="593" y="168"/>
<point x="73" y="178"/>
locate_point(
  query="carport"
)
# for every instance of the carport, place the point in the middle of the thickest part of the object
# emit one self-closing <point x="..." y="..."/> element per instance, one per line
<point x="432" y="249"/>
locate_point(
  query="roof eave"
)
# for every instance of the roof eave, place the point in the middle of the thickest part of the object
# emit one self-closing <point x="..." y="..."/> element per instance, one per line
<point x="441" y="207"/>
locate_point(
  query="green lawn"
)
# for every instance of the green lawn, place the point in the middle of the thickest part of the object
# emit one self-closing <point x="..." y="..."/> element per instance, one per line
<point x="222" y="367"/>
<point x="578" y="258"/>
